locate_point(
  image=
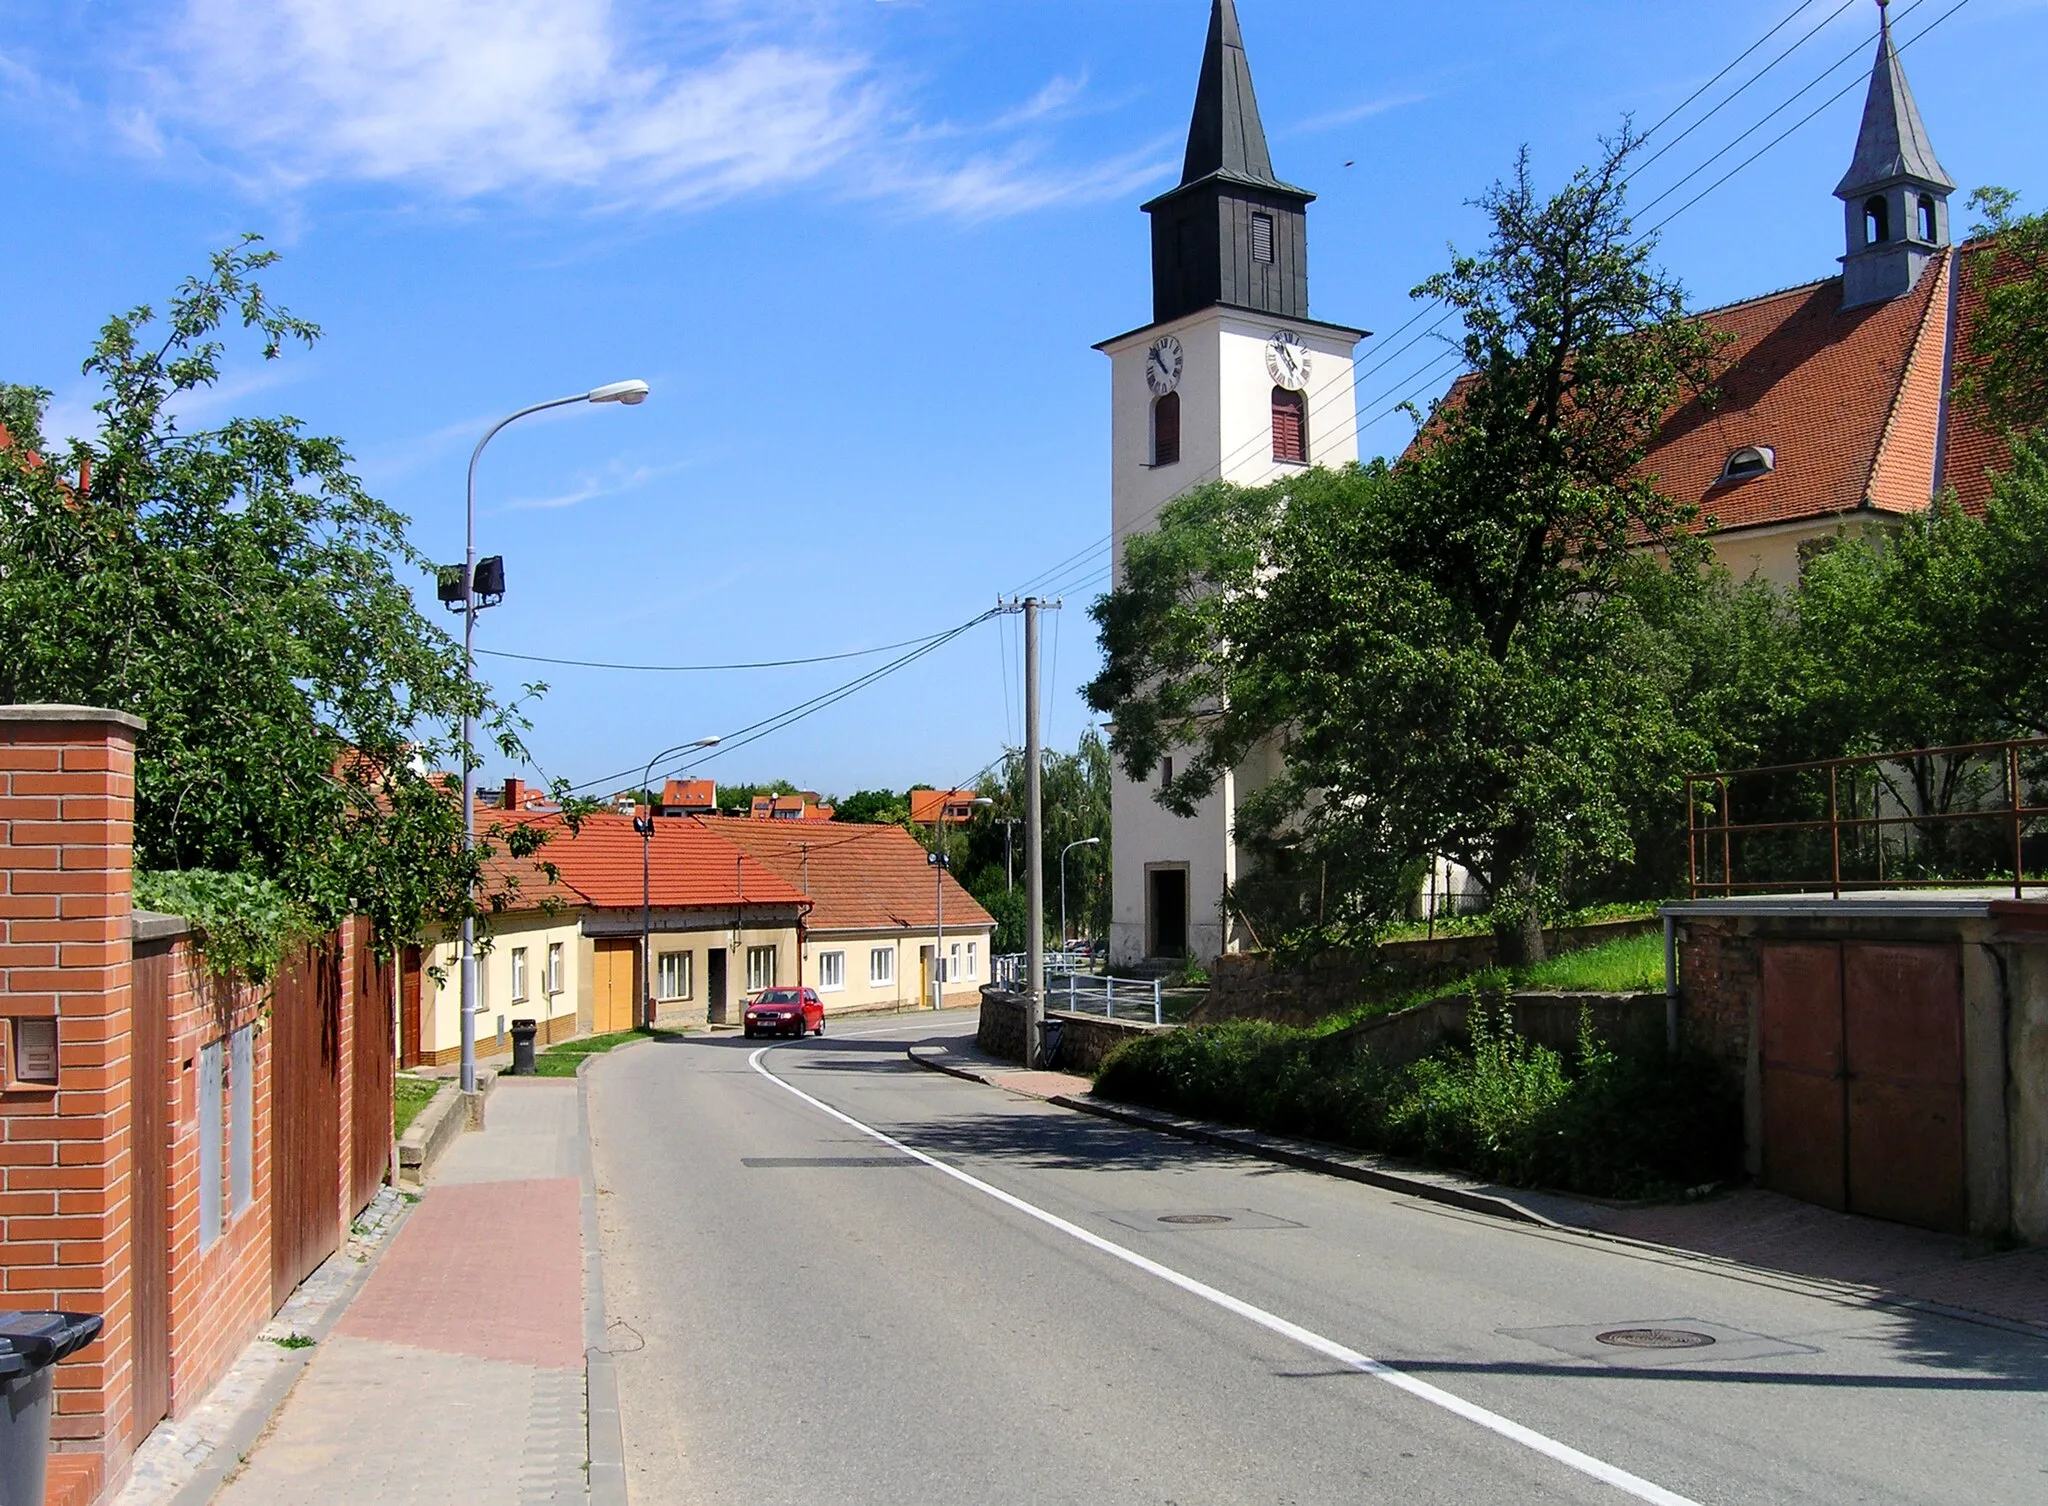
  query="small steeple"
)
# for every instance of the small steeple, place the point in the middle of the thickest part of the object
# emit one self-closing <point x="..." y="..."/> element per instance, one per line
<point x="1232" y="232"/>
<point x="1226" y="135"/>
<point x="1895" y="192"/>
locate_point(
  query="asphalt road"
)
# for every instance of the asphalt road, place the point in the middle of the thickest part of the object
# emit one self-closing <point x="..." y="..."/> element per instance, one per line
<point x="803" y="1312"/>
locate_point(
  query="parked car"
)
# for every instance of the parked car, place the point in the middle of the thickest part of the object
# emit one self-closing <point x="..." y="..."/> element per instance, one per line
<point x="785" y="1011"/>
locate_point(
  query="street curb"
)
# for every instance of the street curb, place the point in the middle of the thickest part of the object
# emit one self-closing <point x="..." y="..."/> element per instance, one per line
<point x="606" y="1441"/>
<point x="233" y="1449"/>
<point x="1301" y="1154"/>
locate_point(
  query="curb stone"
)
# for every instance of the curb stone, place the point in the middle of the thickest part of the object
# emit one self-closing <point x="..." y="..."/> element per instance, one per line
<point x="606" y="1443"/>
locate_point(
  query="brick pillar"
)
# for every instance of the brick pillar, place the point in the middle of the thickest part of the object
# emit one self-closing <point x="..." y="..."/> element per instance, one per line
<point x="67" y="804"/>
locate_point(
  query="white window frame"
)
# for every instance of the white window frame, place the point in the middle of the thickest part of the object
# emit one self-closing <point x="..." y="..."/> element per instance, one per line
<point x="519" y="975"/>
<point x="881" y="966"/>
<point x="973" y="961"/>
<point x="953" y="964"/>
<point x="554" y="979"/>
<point x="678" y="964"/>
<point x="756" y="955"/>
<point x="830" y="963"/>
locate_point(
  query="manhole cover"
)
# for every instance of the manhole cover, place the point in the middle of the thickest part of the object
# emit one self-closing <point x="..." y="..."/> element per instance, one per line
<point x="1200" y="1218"/>
<point x="1654" y="1338"/>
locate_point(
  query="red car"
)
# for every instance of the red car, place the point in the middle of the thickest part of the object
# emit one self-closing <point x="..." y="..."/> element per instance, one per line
<point x="785" y="1011"/>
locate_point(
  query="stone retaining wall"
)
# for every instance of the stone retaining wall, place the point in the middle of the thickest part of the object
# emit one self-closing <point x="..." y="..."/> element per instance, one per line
<point x="1629" y="1024"/>
<point x="1085" y="1039"/>
<point x="1251" y="986"/>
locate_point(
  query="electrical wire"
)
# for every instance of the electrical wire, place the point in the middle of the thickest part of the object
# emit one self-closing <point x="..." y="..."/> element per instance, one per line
<point x="678" y="669"/>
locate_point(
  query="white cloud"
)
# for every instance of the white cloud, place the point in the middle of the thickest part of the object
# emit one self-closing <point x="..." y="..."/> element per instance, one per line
<point x="1352" y="114"/>
<point x="465" y="99"/>
<point x="610" y="482"/>
<point x="474" y="97"/>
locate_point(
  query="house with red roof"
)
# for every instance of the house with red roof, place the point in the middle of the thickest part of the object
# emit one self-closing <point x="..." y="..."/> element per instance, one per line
<point x="564" y="949"/>
<point x="881" y="918"/>
<point x="1835" y="408"/>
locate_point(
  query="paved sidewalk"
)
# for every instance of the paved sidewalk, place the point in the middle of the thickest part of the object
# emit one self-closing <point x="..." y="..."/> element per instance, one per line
<point x="457" y="1374"/>
<point x="1763" y="1230"/>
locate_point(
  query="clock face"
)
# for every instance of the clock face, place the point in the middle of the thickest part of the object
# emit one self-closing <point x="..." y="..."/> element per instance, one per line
<point x="1162" y="365"/>
<point x="1287" y="360"/>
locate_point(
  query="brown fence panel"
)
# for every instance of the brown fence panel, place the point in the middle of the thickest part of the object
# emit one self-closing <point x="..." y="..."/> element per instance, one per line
<point x="305" y="1116"/>
<point x="151" y="1082"/>
<point x="370" y="1079"/>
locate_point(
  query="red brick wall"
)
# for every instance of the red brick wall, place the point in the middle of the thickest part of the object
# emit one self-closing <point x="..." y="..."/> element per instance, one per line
<point x="67" y="809"/>
<point x="219" y="1297"/>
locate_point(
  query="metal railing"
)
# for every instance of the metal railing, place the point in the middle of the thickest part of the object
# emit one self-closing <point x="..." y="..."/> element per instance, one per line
<point x="1085" y="993"/>
<point x="1920" y="818"/>
<point x="1009" y="966"/>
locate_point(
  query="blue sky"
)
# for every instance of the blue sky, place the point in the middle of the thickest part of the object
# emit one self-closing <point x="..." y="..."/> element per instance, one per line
<point x="861" y="249"/>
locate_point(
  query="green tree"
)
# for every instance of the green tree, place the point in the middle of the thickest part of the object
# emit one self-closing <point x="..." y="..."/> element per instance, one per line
<point x="1455" y="655"/>
<point x="1074" y="796"/>
<point x="2009" y="349"/>
<point x="872" y="807"/>
<point x="240" y="590"/>
<point x="739" y="798"/>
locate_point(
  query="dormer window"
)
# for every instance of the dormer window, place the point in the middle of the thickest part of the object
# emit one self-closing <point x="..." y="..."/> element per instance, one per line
<point x="1877" y="221"/>
<point x="1750" y="460"/>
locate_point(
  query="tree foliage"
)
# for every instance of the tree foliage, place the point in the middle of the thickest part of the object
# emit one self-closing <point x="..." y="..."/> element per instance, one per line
<point x="238" y="588"/>
<point x="2009" y="374"/>
<point x="1456" y="655"/>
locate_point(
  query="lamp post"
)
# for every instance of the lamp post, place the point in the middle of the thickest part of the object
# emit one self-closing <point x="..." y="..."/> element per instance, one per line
<point x="1084" y="842"/>
<point x="1010" y="825"/>
<point x="645" y="826"/>
<point x="940" y="864"/>
<point x="632" y="394"/>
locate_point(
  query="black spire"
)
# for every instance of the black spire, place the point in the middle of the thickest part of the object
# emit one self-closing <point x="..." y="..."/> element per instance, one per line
<point x="1233" y="232"/>
<point x="1895" y="193"/>
<point x="1226" y="135"/>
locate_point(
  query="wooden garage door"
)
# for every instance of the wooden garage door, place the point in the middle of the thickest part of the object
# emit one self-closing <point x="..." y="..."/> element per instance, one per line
<point x="612" y="999"/>
<point x="1862" y="1055"/>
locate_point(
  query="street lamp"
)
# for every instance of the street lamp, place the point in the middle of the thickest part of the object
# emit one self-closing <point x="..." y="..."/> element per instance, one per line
<point x="1084" y="842"/>
<point x="1010" y="825"/>
<point x="645" y="826"/>
<point x="631" y="394"/>
<point x="940" y="864"/>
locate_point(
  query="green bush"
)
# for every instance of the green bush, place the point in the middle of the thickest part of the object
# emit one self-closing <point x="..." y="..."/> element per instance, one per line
<point x="1500" y="1107"/>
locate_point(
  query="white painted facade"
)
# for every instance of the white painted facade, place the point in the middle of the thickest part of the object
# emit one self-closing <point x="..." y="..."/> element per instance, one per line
<point x="1226" y="432"/>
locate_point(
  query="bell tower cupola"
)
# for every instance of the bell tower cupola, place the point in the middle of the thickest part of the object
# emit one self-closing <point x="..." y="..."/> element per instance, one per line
<point x="1895" y="194"/>
<point x="1232" y="232"/>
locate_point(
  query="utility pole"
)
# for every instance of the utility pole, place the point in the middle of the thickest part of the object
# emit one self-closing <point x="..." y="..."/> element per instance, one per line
<point x="1009" y="867"/>
<point x="1034" y="847"/>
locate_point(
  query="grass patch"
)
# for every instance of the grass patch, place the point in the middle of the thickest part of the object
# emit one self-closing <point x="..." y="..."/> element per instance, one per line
<point x="408" y="1096"/>
<point x="563" y="1060"/>
<point x="1630" y="965"/>
<point x="1481" y="924"/>
<point x="295" y="1341"/>
<point x="1501" y="1107"/>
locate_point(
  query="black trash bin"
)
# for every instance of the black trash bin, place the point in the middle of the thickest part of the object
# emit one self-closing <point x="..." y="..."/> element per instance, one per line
<point x="31" y="1343"/>
<point x="523" y="1032"/>
<point x="1049" y="1051"/>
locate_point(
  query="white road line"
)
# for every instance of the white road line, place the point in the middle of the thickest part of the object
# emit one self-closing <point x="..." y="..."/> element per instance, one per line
<point x="1436" y="1396"/>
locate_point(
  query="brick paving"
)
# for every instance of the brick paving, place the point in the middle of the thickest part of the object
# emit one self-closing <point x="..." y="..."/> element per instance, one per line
<point x="457" y="1373"/>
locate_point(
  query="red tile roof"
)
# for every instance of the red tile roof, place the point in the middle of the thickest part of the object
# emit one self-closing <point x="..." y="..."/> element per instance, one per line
<point x="859" y="877"/>
<point x="688" y="867"/>
<point x="1853" y="402"/>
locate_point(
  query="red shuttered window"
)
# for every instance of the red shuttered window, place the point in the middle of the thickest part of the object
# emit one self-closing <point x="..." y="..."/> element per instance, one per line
<point x="1290" y="426"/>
<point x="1166" y="430"/>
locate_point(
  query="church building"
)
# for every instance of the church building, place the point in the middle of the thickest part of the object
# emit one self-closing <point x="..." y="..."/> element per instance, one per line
<point x="1833" y="411"/>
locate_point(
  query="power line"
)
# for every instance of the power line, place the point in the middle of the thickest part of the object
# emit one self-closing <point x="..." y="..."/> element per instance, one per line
<point x="678" y="669"/>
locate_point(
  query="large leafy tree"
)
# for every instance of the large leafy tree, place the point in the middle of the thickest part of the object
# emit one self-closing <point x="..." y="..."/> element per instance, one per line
<point x="238" y="588"/>
<point x="2009" y="349"/>
<point x="1456" y="654"/>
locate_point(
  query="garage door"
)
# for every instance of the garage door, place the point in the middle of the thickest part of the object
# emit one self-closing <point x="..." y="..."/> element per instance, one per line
<point x="1862" y="1056"/>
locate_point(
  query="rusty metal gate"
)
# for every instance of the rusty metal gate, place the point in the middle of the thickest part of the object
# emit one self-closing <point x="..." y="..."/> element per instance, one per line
<point x="150" y="1221"/>
<point x="1862" y="1057"/>
<point x="371" y="1068"/>
<point x="305" y="1116"/>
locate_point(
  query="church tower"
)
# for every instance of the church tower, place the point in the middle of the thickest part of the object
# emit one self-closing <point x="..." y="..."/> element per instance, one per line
<point x="1234" y="381"/>
<point x="1895" y="193"/>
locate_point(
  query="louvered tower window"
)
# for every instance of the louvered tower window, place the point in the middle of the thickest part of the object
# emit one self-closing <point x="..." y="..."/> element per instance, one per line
<point x="1262" y="237"/>
<point x="1166" y="429"/>
<point x="1290" y="426"/>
